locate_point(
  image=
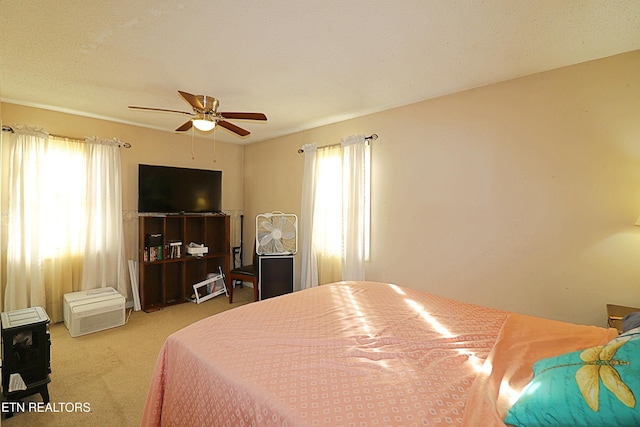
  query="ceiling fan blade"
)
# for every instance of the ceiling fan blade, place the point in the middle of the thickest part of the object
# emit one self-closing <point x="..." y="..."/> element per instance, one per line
<point x="192" y="99"/>
<point x="185" y="126"/>
<point x="247" y="116"/>
<point x="160" y="109"/>
<point x="233" y="128"/>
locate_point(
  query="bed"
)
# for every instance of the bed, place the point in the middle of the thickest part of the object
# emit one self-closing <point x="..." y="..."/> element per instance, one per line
<point x="376" y="354"/>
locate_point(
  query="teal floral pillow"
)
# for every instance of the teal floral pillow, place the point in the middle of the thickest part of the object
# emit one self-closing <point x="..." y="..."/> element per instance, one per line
<point x="598" y="386"/>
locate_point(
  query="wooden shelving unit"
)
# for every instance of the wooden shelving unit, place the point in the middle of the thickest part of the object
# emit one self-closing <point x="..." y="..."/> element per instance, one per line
<point x="169" y="281"/>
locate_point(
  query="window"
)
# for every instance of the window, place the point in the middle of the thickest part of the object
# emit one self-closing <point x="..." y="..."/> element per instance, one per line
<point x="337" y="198"/>
<point x="64" y="228"/>
<point x="331" y="203"/>
<point x="61" y="208"/>
<point x="327" y="230"/>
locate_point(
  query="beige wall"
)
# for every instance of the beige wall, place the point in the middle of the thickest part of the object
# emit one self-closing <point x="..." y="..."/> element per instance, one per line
<point x="148" y="146"/>
<point x="520" y="195"/>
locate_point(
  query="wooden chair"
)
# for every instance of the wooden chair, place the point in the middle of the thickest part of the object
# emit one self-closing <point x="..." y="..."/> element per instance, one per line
<point x="245" y="273"/>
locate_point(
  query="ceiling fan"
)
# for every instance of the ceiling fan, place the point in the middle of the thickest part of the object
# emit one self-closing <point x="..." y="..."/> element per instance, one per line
<point x="205" y="115"/>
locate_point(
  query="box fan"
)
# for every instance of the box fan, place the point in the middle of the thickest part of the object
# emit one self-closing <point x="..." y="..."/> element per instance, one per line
<point x="276" y="234"/>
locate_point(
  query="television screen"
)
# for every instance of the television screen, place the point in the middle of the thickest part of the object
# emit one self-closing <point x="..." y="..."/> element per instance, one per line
<point x="166" y="189"/>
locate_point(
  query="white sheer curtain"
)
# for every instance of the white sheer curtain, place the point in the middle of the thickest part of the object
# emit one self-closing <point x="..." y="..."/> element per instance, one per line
<point x="49" y="210"/>
<point x="309" y="265"/>
<point x="104" y="260"/>
<point x="354" y="206"/>
<point x="335" y="212"/>
<point x="25" y="281"/>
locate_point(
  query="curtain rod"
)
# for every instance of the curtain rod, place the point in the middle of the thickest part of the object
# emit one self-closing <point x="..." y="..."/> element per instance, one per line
<point x="367" y="139"/>
<point x="121" y="144"/>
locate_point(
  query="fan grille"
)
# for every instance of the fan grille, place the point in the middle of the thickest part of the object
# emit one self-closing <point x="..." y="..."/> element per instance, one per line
<point x="276" y="234"/>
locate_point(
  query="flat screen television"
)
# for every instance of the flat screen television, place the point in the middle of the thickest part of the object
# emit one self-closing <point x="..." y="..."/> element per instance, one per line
<point x="173" y="190"/>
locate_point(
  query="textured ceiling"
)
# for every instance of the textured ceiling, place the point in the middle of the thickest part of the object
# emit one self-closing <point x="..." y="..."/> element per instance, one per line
<point x="302" y="63"/>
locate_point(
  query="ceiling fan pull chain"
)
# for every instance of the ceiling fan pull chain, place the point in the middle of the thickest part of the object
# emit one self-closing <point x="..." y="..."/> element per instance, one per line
<point x="193" y="156"/>
<point x="214" y="147"/>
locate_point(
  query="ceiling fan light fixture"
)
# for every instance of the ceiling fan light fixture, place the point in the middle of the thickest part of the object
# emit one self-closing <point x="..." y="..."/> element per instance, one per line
<point x="203" y="124"/>
<point x="205" y="116"/>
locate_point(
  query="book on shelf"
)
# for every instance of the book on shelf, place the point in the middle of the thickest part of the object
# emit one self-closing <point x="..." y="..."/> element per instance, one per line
<point x="174" y="250"/>
<point x="153" y="247"/>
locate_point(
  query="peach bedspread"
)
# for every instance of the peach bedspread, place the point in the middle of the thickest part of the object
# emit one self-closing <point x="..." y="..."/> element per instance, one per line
<point x="352" y="354"/>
